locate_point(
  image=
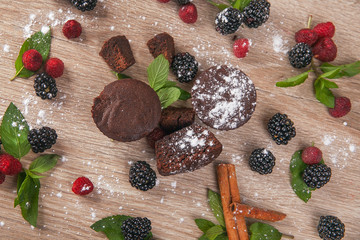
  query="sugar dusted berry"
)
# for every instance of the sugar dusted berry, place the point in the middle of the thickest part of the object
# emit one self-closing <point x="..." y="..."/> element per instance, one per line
<point x="141" y="176"/>
<point x="184" y="66"/>
<point x="9" y="165"/>
<point x="84" y="5"/>
<point x="32" y="60"/>
<point x="72" y="29"/>
<point x="188" y="13"/>
<point x="54" y="67"/>
<point x="307" y="36"/>
<point x="82" y="186"/>
<point x="325" y="50"/>
<point x="241" y="47"/>
<point x="256" y="13"/>
<point x="341" y="108"/>
<point x="311" y="155"/>
<point x="325" y="30"/>
<point x="228" y="21"/>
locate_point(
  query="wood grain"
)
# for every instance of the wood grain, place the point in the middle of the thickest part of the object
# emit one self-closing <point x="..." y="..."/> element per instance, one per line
<point x="172" y="210"/>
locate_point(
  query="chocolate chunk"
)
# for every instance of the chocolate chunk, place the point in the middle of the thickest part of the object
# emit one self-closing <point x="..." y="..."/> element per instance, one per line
<point x="223" y="97"/>
<point x="154" y="136"/>
<point x="126" y="110"/>
<point x="186" y="150"/>
<point x="174" y="119"/>
<point x="117" y="53"/>
<point x="162" y="43"/>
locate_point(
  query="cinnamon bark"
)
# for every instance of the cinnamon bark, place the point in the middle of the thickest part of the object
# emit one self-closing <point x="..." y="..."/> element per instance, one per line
<point x="243" y="210"/>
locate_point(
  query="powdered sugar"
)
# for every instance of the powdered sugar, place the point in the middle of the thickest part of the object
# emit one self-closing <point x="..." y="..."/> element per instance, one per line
<point x="6" y="48"/>
<point x="279" y="44"/>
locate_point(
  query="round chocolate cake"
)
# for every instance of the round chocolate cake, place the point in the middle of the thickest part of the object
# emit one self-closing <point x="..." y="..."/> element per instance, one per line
<point x="223" y="97"/>
<point x="126" y="110"/>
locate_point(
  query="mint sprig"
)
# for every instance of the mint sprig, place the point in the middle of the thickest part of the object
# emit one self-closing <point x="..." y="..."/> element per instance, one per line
<point x="38" y="41"/>
<point x="237" y="4"/>
<point x="111" y="226"/>
<point x="120" y="75"/>
<point x="166" y="90"/>
<point x="262" y="231"/>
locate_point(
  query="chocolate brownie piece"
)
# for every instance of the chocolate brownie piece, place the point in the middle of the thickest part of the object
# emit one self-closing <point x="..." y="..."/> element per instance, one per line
<point x="126" y="110"/>
<point x="154" y="136"/>
<point x="173" y="119"/>
<point x="186" y="150"/>
<point x="162" y="43"/>
<point x="223" y="97"/>
<point x="117" y="53"/>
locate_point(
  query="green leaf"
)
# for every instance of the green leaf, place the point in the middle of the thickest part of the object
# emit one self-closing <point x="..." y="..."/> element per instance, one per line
<point x="213" y="232"/>
<point x="220" y="6"/>
<point x="203" y="237"/>
<point x="222" y="236"/>
<point x="28" y="197"/>
<point x="236" y="4"/>
<point x="20" y="179"/>
<point x="44" y="163"/>
<point x="216" y="206"/>
<point x="184" y="95"/>
<point x="168" y="96"/>
<point x="204" y="224"/>
<point x="244" y="4"/>
<point x="158" y="72"/>
<point x="169" y="84"/>
<point x="348" y="70"/>
<point x="19" y="66"/>
<point x="323" y="94"/>
<point x="120" y="75"/>
<point x="297" y="167"/>
<point x="262" y="231"/>
<point x="330" y="74"/>
<point x="33" y="175"/>
<point x="14" y="131"/>
<point x="294" y="81"/>
<point x="330" y="84"/>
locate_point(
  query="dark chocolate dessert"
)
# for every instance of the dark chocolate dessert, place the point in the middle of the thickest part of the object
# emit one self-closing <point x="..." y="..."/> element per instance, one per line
<point x="174" y="119"/>
<point x="162" y="43"/>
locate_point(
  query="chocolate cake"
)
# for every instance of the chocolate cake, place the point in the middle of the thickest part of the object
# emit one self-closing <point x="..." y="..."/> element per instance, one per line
<point x="173" y="119"/>
<point x="126" y="110"/>
<point x="223" y="97"/>
<point x="162" y="43"/>
<point x="117" y="53"/>
<point x="186" y="150"/>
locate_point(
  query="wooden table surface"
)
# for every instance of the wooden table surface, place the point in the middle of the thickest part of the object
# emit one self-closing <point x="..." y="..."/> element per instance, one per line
<point x="173" y="205"/>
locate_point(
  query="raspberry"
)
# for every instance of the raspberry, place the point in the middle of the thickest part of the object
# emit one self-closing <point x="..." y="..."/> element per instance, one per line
<point x="154" y="136"/>
<point x="136" y="228"/>
<point x="32" y="60"/>
<point x="281" y="128"/>
<point x="182" y="2"/>
<point x="72" y="29"/>
<point x="307" y="36"/>
<point x="317" y="175"/>
<point x="9" y="165"/>
<point x="241" y="47"/>
<point x="331" y="228"/>
<point x="228" y="21"/>
<point x="54" y="67"/>
<point x="82" y="186"/>
<point x="42" y="139"/>
<point x="188" y="13"/>
<point x="325" y="30"/>
<point x="184" y="66"/>
<point x="2" y="177"/>
<point x="262" y="161"/>
<point x="311" y="155"/>
<point x="341" y="108"/>
<point x="84" y="5"/>
<point x="45" y="86"/>
<point x="256" y="13"/>
<point x="141" y="176"/>
<point x="325" y="50"/>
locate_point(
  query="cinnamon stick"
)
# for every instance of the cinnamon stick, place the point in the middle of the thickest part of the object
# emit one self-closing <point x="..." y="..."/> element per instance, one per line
<point x="243" y="210"/>
<point x="224" y="186"/>
<point x="235" y="198"/>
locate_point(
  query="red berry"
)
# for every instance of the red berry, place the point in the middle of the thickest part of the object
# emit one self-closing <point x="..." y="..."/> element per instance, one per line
<point x="325" y="50"/>
<point x="241" y="47"/>
<point x="2" y="177"/>
<point x="341" y="108"/>
<point x="54" y="67"/>
<point x="72" y="29"/>
<point x="307" y="36"/>
<point x="9" y="165"/>
<point x="311" y="155"/>
<point x="32" y="60"/>
<point x="163" y="1"/>
<point x="82" y="186"/>
<point x="188" y="13"/>
<point x="325" y="30"/>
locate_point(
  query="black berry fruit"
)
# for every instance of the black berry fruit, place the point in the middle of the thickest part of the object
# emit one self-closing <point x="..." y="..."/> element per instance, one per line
<point x="228" y="21"/>
<point x="84" y="5"/>
<point x="45" y="86"/>
<point x="42" y="139"/>
<point x="300" y="55"/>
<point x="256" y="13"/>
<point x="316" y="176"/>
<point x="182" y="2"/>
<point x="136" y="228"/>
<point x="331" y="228"/>
<point x="141" y="176"/>
<point x="262" y="161"/>
<point x="281" y="128"/>
<point x="184" y="66"/>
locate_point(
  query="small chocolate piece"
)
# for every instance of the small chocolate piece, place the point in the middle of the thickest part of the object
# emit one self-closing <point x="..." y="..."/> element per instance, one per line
<point x="174" y="119"/>
<point x="126" y="110"/>
<point x="154" y="136"/>
<point x="186" y="150"/>
<point x="162" y="43"/>
<point x="223" y="97"/>
<point x="117" y="53"/>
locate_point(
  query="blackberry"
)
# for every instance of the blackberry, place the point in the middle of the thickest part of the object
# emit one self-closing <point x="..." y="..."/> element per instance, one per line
<point x="42" y="139"/>
<point x="281" y="129"/>
<point x="184" y="66"/>
<point x="331" y="228"/>
<point x="317" y="175"/>
<point x="262" y="161"/>
<point x="300" y="55"/>
<point x="228" y="21"/>
<point x="45" y="86"/>
<point x="256" y="13"/>
<point x="136" y="228"/>
<point x="141" y="176"/>
<point x="84" y="5"/>
<point x="182" y="2"/>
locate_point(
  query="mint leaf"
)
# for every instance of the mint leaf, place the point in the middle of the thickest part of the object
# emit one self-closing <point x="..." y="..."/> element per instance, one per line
<point x="33" y="175"/>
<point x="262" y="231"/>
<point x="184" y="95"/>
<point x="330" y="74"/>
<point x="204" y="224"/>
<point x="169" y="84"/>
<point x="236" y="4"/>
<point x="213" y="232"/>
<point x="20" y="179"/>
<point x="44" y="163"/>
<point x="330" y="84"/>
<point x="168" y="96"/>
<point x="158" y="71"/>
<point x="222" y="236"/>
<point x="220" y="6"/>
<point x="216" y="206"/>
<point x="14" y="131"/>
<point x="19" y="66"/>
<point x="120" y="75"/>
<point x="348" y="70"/>
<point x="28" y="197"/>
<point x="297" y="167"/>
<point x="323" y="94"/>
<point x="294" y="81"/>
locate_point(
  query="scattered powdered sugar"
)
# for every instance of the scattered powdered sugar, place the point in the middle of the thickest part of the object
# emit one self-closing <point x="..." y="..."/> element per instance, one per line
<point x="279" y="44"/>
<point x="59" y="194"/>
<point x="6" y="48"/>
<point x="181" y="220"/>
<point x="327" y="139"/>
<point x="2" y="224"/>
<point x="45" y="29"/>
<point x="173" y="184"/>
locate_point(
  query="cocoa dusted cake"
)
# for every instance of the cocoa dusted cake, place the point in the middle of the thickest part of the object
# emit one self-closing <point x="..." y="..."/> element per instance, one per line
<point x="162" y="43"/>
<point x="126" y="110"/>
<point x="174" y="119"/>
<point x="186" y="150"/>
<point x="223" y="97"/>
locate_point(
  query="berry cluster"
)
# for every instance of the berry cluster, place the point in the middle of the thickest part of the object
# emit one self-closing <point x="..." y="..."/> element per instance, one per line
<point x="141" y="176"/>
<point x="331" y="228"/>
<point x="184" y="66"/>
<point x="187" y="10"/>
<point x="84" y="5"/>
<point x="136" y="228"/>
<point x="281" y="129"/>
<point x="262" y="161"/>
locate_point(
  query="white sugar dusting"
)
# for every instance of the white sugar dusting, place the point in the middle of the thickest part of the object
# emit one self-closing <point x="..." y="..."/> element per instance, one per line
<point x="279" y="44"/>
<point x="6" y="48"/>
<point x="2" y="224"/>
